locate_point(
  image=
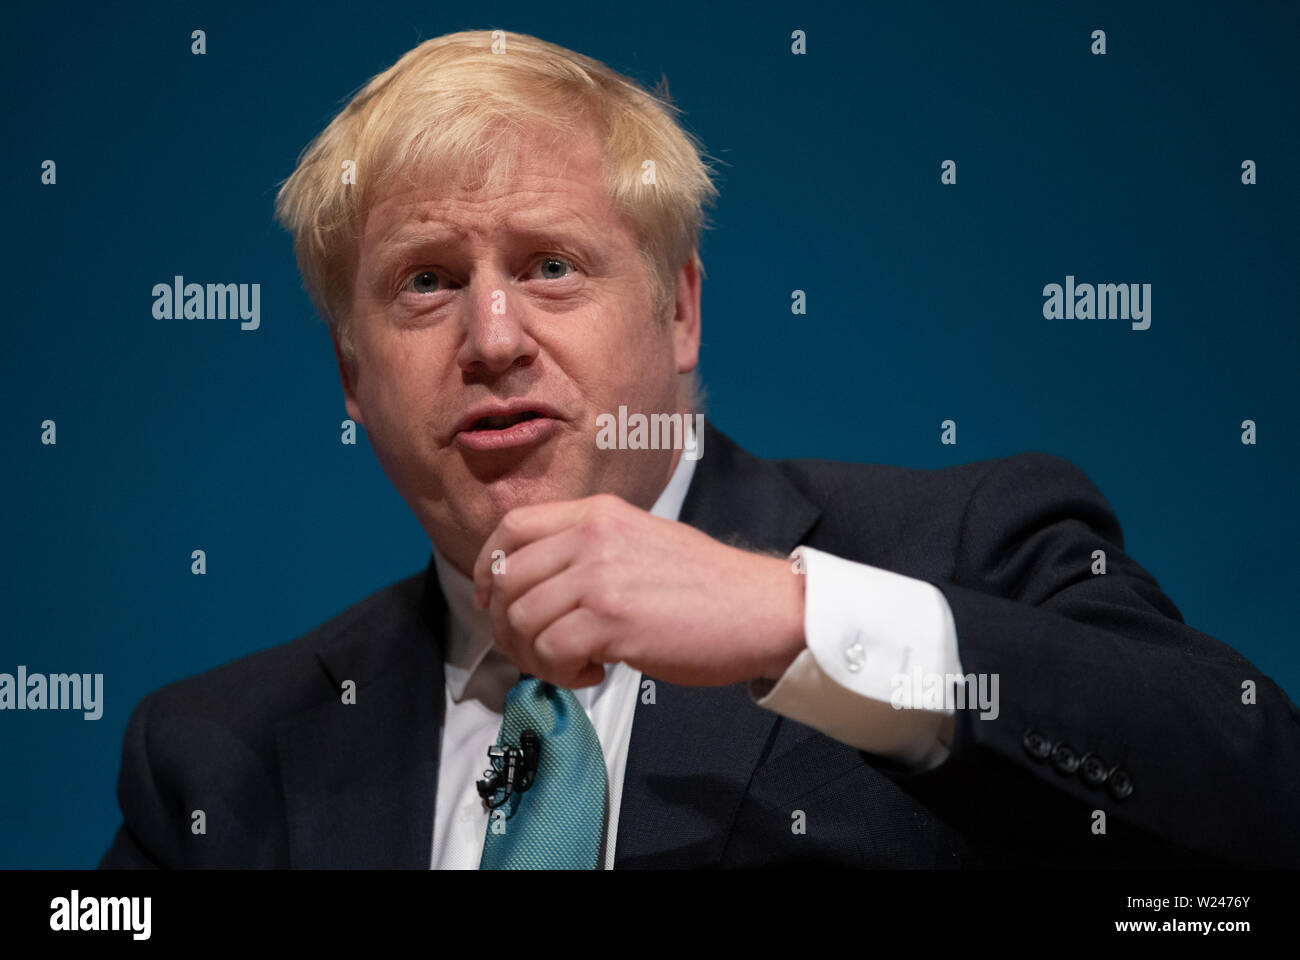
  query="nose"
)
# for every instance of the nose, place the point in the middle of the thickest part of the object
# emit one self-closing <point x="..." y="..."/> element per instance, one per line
<point x="496" y="337"/>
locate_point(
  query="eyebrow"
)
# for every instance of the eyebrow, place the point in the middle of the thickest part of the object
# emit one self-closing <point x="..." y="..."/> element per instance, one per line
<point x="429" y="236"/>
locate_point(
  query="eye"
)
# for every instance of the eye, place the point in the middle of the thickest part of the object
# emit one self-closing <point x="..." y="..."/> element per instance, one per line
<point x="426" y="281"/>
<point x="549" y="266"/>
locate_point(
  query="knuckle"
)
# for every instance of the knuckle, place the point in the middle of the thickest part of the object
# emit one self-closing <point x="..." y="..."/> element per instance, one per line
<point x="517" y="616"/>
<point x="594" y="529"/>
<point x="607" y="553"/>
<point x="604" y="589"/>
<point x="512" y="521"/>
<point x="550" y="648"/>
<point x="606" y="526"/>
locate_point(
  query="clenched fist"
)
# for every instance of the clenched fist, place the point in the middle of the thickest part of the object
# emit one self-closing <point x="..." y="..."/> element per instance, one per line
<point x="597" y="581"/>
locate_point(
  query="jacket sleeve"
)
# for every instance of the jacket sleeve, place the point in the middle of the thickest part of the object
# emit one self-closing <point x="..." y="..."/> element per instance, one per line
<point x="142" y="839"/>
<point x="1109" y="703"/>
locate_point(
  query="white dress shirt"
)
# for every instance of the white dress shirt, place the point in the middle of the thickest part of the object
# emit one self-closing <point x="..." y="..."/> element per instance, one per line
<point x="863" y="627"/>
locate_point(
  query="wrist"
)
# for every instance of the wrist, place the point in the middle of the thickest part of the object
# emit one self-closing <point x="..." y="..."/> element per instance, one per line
<point x="783" y="598"/>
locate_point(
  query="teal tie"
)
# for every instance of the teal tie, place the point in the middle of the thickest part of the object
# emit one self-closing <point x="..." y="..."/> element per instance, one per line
<point x="556" y="823"/>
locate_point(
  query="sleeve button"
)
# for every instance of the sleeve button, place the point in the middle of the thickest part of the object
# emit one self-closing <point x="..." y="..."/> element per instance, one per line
<point x="1092" y="770"/>
<point x="1120" y="784"/>
<point x="1036" y="745"/>
<point x="1064" y="759"/>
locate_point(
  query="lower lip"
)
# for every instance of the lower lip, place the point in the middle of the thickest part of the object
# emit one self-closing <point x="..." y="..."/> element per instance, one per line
<point x="520" y="435"/>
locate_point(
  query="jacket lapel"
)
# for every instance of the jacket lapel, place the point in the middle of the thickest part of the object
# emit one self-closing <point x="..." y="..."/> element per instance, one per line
<point x="694" y="749"/>
<point x="360" y="779"/>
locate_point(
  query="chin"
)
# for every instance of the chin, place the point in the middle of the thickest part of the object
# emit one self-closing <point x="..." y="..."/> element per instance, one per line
<point x="498" y="497"/>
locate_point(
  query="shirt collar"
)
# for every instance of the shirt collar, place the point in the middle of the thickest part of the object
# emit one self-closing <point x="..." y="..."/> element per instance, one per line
<point x="469" y="635"/>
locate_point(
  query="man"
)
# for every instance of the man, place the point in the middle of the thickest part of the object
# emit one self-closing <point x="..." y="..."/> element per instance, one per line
<point x="683" y="656"/>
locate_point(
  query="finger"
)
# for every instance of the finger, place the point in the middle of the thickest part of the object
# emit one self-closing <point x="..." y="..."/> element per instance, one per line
<point x="523" y="525"/>
<point x="516" y="645"/>
<point x="544" y="603"/>
<point x="517" y="528"/>
<point x="534" y="563"/>
<point x="569" y="652"/>
<point x="589" y="676"/>
<point x="512" y="647"/>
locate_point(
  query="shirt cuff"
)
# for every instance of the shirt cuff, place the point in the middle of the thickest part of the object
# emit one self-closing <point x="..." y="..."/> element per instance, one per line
<point x="873" y="638"/>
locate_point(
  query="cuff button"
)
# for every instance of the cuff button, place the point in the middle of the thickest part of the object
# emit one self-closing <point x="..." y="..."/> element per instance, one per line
<point x="1064" y="759"/>
<point x="1120" y="784"/>
<point x="1092" y="770"/>
<point x="1036" y="745"/>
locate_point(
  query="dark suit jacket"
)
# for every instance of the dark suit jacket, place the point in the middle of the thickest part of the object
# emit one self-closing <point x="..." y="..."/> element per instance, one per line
<point x="1098" y="668"/>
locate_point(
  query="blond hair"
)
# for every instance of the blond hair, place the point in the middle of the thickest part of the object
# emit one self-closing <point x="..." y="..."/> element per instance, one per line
<point x="456" y="103"/>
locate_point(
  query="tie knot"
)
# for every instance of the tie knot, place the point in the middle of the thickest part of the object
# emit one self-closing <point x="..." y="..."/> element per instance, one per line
<point x="527" y="683"/>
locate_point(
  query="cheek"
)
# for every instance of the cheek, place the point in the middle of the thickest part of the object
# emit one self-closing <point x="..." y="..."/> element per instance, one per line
<point x="398" y="394"/>
<point x="620" y="351"/>
<point x="646" y="366"/>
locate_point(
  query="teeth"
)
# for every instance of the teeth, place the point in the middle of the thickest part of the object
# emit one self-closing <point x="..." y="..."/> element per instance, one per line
<point x="500" y="423"/>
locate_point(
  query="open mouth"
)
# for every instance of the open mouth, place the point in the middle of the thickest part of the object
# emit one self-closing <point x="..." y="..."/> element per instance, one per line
<point x="503" y="423"/>
<point x="512" y="427"/>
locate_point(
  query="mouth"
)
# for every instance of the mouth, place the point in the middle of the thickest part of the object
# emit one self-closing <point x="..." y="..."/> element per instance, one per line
<point x="503" y="422"/>
<point x="507" y="429"/>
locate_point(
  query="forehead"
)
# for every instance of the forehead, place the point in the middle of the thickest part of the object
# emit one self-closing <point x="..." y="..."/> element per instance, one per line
<point x="528" y="181"/>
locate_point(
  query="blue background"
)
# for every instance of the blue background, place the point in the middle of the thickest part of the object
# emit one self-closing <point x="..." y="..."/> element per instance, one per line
<point x="924" y="303"/>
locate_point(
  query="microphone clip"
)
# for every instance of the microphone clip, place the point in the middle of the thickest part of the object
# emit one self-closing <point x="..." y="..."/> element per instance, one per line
<point x="512" y="769"/>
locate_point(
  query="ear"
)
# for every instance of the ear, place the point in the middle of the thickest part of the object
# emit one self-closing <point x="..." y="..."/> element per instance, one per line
<point x="686" y="317"/>
<point x="348" y="377"/>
